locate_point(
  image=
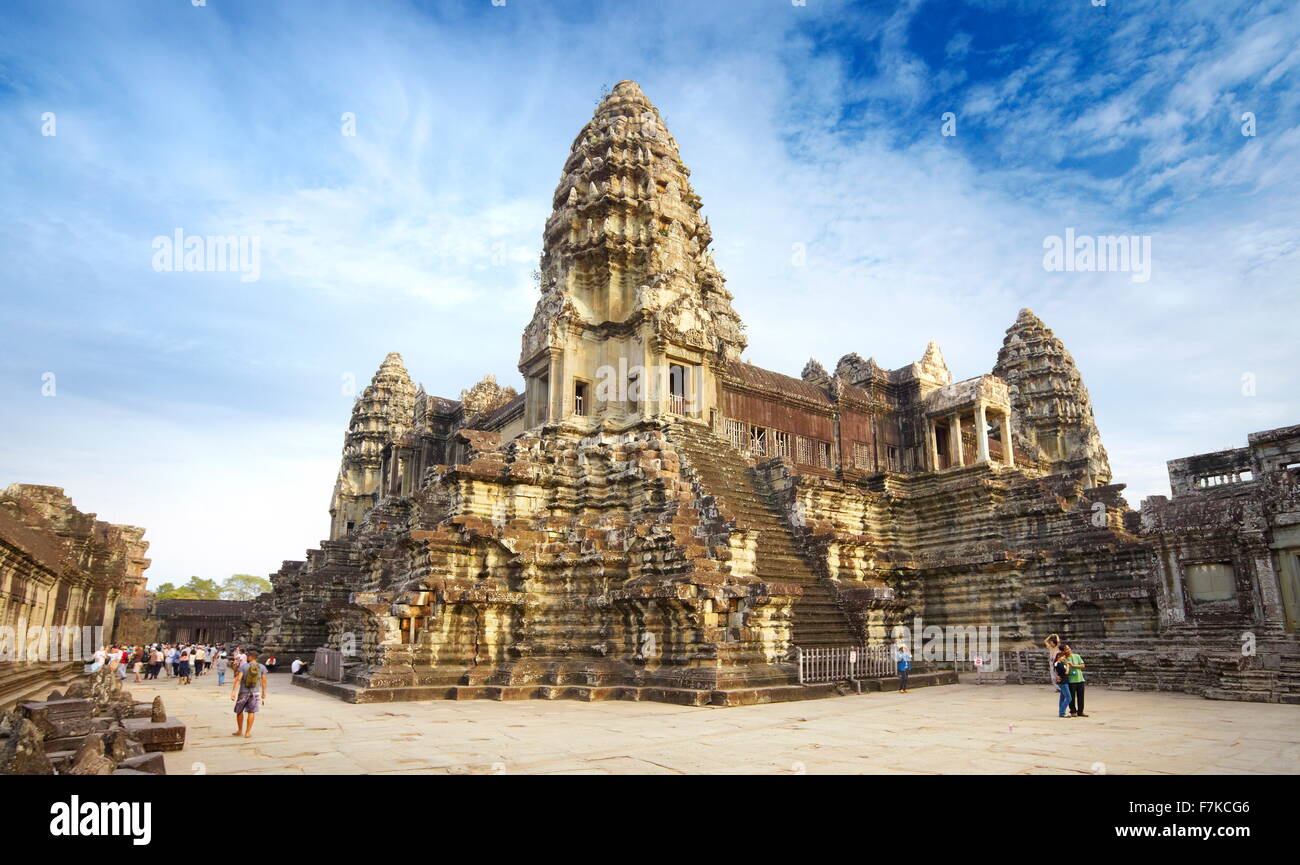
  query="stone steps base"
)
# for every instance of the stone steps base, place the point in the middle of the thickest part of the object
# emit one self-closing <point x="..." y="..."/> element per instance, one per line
<point x="590" y="693"/>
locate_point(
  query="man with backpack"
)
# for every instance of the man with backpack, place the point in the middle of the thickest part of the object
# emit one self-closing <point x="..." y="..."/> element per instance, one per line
<point x="248" y="690"/>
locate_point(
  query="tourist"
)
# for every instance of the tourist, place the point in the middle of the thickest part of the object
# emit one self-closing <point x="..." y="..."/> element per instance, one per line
<point x="297" y="666"/>
<point x="904" y="658"/>
<point x="199" y="658"/>
<point x="1053" y="644"/>
<point x="101" y="657"/>
<point x="175" y="658"/>
<point x="1061" y="672"/>
<point x="155" y="662"/>
<point x="137" y="665"/>
<point x="183" y="668"/>
<point x="270" y="664"/>
<point x="248" y="690"/>
<point x="220" y="665"/>
<point x="1075" y="679"/>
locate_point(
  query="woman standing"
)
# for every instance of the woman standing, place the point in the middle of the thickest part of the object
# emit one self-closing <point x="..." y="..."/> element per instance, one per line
<point x="1061" y="670"/>
<point x="183" y="668"/>
<point x="220" y="666"/>
<point x="904" y="666"/>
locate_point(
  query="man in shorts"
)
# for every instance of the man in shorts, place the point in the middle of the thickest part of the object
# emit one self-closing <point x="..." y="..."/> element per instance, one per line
<point x="248" y="691"/>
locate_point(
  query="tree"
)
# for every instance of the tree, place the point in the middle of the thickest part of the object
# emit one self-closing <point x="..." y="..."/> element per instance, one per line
<point x="168" y="591"/>
<point x="244" y="587"/>
<point x="197" y="587"/>
<point x="208" y="590"/>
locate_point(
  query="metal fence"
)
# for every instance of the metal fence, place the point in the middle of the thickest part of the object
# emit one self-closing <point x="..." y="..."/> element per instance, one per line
<point x="328" y="665"/>
<point x="843" y="663"/>
<point x="846" y="663"/>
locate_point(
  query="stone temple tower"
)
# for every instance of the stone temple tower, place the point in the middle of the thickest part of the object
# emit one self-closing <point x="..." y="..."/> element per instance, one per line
<point x="1054" y="411"/>
<point x="382" y="413"/>
<point x="633" y="320"/>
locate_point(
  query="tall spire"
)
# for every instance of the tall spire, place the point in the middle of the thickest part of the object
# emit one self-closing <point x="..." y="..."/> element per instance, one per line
<point x="382" y="413"/>
<point x="1054" y="412"/>
<point x="625" y="243"/>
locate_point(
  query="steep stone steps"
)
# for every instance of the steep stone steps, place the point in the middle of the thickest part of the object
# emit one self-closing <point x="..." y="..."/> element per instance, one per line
<point x="723" y="474"/>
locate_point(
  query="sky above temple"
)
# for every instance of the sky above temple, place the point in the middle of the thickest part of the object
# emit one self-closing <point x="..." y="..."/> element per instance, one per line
<point x="211" y="408"/>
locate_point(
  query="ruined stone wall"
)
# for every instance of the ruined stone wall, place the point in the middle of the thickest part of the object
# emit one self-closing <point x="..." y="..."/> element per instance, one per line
<point x="558" y="559"/>
<point x="59" y="568"/>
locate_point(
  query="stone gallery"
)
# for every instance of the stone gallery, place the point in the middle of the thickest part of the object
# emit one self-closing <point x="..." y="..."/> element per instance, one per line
<point x="654" y="518"/>
<point x="68" y="582"/>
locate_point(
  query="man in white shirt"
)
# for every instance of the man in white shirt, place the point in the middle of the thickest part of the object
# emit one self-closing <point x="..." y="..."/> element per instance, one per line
<point x="296" y="666"/>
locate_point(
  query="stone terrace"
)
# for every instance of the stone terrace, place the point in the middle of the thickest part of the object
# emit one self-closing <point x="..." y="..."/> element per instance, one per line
<point x="957" y="729"/>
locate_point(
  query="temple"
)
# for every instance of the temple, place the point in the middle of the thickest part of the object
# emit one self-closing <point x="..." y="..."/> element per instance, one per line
<point x="68" y="582"/>
<point x="654" y="518"/>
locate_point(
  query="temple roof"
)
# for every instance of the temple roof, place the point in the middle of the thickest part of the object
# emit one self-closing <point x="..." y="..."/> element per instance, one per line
<point x="765" y="379"/>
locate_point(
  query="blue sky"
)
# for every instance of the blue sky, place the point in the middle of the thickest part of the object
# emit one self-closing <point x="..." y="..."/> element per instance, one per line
<point x="211" y="410"/>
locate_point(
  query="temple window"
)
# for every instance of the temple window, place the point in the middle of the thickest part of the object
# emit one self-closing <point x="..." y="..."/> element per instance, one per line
<point x="580" y="398"/>
<point x="677" y="389"/>
<point x="803" y="450"/>
<point x="862" y="456"/>
<point x="737" y="432"/>
<point x="780" y="444"/>
<point x="1210" y="581"/>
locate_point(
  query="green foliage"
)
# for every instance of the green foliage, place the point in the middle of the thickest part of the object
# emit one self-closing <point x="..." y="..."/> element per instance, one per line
<point x="244" y="587"/>
<point x="239" y="587"/>
<point x="197" y="587"/>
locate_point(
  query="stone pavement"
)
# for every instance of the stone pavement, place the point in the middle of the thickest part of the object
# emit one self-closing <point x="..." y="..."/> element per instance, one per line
<point x="986" y="729"/>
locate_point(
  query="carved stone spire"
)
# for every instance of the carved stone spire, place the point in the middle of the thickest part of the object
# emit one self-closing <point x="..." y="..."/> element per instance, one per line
<point x="625" y="243"/>
<point x="485" y="396"/>
<point x="382" y="413"/>
<point x="1054" y="419"/>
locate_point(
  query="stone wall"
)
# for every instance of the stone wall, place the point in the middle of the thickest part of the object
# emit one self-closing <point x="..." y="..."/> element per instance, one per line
<point x="62" y="572"/>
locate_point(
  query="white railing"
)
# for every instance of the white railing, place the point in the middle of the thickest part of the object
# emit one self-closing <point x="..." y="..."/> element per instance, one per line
<point x="845" y="663"/>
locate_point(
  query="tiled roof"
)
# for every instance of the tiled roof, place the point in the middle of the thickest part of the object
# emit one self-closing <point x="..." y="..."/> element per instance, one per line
<point x="774" y="382"/>
<point x="193" y="607"/>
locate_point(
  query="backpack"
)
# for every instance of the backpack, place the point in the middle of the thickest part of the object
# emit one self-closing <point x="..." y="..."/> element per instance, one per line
<point x="252" y="676"/>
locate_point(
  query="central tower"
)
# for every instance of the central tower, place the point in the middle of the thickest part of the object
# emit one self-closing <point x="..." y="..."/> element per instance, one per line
<point x="633" y="319"/>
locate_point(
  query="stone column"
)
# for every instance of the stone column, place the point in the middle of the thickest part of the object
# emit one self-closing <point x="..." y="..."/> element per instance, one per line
<point x="982" y="427"/>
<point x="1008" y="457"/>
<point x="955" y="456"/>
<point x="932" y="443"/>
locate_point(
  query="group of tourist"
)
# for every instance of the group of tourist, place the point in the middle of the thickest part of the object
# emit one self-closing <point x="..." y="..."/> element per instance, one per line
<point x="183" y="662"/>
<point x="1066" y="674"/>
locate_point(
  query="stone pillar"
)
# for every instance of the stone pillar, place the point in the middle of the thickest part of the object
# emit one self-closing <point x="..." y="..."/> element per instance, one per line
<point x="955" y="456"/>
<point x="932" y="444"/>
<point x="982" y="428"/>
<point x="1008" y="457"/>
<point x="554" y="385"/>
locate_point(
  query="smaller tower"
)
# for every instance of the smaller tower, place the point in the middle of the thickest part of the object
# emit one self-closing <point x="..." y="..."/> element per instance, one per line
<point x="1054" y="416"/>
<point x="380" y="416"/>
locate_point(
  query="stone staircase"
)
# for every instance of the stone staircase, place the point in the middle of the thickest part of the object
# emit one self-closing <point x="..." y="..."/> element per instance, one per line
<point x="727" y="477"/>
